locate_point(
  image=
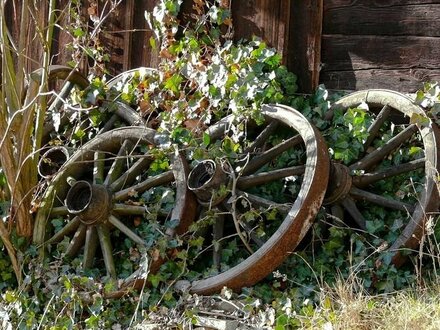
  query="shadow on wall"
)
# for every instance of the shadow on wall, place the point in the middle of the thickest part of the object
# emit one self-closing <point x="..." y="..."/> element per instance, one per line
<point x="379" y="45"/>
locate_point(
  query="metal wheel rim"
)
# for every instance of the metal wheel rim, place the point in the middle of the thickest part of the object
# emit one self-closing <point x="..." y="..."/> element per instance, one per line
<point x="183" y="209"/>
<point x="429" y="199"/>
<point x="297" y="222"/>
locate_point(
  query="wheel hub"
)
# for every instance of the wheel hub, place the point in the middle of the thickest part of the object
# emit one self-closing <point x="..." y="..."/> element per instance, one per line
<point x="90" y="202"/>
<point x="205" y="180"/>
<point x="339" y="185"/>
<point x="51" y="161"/>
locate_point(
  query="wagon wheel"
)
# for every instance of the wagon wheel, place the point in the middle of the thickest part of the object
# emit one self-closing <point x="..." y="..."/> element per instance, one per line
<point x="399" y="154"/>
<point x="239" y="213"/>
<point x="129" y="76"/>
<point x="63" y="81"/>
<point x="136" y="81"/>
<point x="100" y="209"/>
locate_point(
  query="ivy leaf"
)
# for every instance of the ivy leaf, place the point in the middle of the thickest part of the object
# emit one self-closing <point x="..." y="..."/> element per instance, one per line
<point x="420" y="120"/>
<point x="78" y="33"/>
<point x="173" y="83"/>
<point x="153" y="43"/>
<point x="206" y="139"/>
<point x="154" y="279"/>
<point x="79" y="134"/>
<point x="173" y="223"/>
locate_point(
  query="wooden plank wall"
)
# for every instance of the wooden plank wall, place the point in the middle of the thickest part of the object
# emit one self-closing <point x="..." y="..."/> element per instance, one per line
<point x="266" y="19"/>
<point x="345" y="44"/>
<point x="391" y="44"/>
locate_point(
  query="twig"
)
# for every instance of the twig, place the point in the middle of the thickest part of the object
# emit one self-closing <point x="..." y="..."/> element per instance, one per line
<point x="233" y="207"/>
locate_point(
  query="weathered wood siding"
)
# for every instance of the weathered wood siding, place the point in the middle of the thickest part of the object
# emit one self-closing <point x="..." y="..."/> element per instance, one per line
<point x="345" y="44"/>
<point x="380" y="44"/>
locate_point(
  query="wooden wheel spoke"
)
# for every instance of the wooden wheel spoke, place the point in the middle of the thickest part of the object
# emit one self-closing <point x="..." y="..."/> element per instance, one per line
<point x="90" y="247"/>
<point x="265" y="177"/>
<point x="58" y="211"/>
<point x="156" y="180"/>
<point x="380" y="200"/>
<point x="372" y="177"/>
<point x="217" y="233"/>
<point x="69" y="228"/>
<point x="380" y="153"/>
<point x="374" y="128"/>
<point x="337" y="211"/>
<point x="262" y="137"/>
<point x="98" y="167"/>
<point x="60" y="98"/>
<point x="127" y="231"/>
<point x="106" y="248"/>
<point x="129" y="176"/>
<point x="350" y="205"/>
<point x="126" y="209"/>
<point x="118" y="165"/>
<point x="77" y="241"/>
<point x="109" y="124"/>
<point x="265" y="157"/>
<point x="265" y="203"/>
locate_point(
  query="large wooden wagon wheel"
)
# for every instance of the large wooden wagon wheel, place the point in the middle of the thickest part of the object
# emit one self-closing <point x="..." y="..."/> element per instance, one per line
<point x="257" y="202"/>
<point x="94" y="213"/>
<point x="393" y="182"/>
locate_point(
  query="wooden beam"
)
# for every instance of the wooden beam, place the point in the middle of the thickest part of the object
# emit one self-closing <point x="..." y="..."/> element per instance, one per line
<point x="128" y="33"/>
<point x="407" y="80"/>
<point x="143" y="54"/>
<point x="305" y="42"/>
<point x="358" y="18"/>
<point x="266" y="19"/>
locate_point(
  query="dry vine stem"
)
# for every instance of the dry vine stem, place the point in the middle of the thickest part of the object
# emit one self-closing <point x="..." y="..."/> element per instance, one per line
<point x="19" y="107"/>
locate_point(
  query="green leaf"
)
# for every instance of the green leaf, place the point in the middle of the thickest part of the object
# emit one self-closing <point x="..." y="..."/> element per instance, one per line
<point x="206" y="139"/>
<point x="173" y="83"/>
<point x="78" y="32"/>
<point x="155" y="279"/>
<point x="57" y="223"/>
<point x="153" y="44"/>
<point x="2" y="178"/>
<point x="173" y="223"/>
<point x="79" y="134"/>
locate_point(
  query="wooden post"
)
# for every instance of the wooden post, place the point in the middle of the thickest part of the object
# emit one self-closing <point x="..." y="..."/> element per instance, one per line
<point x="142" y="53"/>
<point x="266" y="19"/>
<point x="305" y="42"/>
<point x="128" y="34"/>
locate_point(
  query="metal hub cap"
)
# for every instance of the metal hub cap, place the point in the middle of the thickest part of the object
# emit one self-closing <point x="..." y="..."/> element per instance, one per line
<point x="340" y="184"/>
<point x="205" y="179"/>
<point x="91" y="202"/>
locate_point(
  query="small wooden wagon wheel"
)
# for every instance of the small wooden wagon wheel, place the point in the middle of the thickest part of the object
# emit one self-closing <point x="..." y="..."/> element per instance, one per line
<point x="63" y="81"/>
<point x="138" y="82"/>
<point x="129" y="76"/>
<point x="396" y="172"/>
<point x="95" y="209"/>
<point x="246" y="230"/>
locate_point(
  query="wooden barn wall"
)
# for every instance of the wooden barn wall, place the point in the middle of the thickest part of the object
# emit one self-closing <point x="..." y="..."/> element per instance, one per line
<point x="344" y="44"/>
<point x="125" y="33"/>
<point x="380" y="44"/>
